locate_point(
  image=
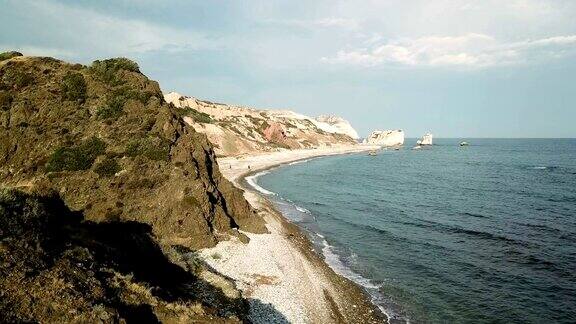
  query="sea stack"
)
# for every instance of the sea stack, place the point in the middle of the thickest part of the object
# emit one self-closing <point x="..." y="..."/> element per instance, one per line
<point x="335" y="124"/>
<point x="386" y="138"/>
<point x="425" y="140"/>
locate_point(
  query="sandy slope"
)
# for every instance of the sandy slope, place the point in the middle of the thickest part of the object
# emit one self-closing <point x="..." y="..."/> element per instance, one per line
<point x="285" y="280"/>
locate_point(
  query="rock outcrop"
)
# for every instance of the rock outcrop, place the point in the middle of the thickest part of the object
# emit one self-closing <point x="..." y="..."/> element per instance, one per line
<point x="335" y="124"/>
<point x="105" y="139"/>
<point x="56" y="267"/>
<point x="115" y="189"/>
<point x="386" y="138"/>
<point x="425" y="140"/>
<point x="237" y="130"/>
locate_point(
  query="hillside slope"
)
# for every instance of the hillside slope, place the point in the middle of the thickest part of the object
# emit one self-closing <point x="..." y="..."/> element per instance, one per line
<point x="58" y="268"/>
<point x="104" y="138"/>
<point x="110" y="181"/>
<point x="237" y="130"/>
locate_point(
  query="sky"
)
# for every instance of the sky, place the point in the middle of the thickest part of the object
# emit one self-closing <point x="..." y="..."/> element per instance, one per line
<point x="476" y="68"/>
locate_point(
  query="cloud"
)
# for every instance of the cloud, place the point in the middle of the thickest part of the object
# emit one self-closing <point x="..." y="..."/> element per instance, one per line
<point x="337" y="22"/>
<point x="327" y="22"/>
<point x="69" y="29"/>
<point x="39" y="51"/>
<point x="470" y="50"/>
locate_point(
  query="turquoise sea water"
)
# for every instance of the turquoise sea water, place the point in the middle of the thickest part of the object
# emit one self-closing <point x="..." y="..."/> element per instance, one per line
<point x="447" y="234"/>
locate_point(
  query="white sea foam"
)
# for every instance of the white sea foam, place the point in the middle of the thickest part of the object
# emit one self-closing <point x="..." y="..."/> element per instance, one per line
<point x="302" y="209"/>
<point x="299" y="161"/>
<point x="337" y="265"/>
<point x="539" y="168"/>
<point x="333" y="260"/>
<point x="252" y="181"/>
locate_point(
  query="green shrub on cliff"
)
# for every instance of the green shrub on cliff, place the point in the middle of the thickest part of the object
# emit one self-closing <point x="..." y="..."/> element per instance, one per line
<point x="5" y="100"/>
<point x="108" y="167"/>
<point x="9" y="55"/>
<point x="74" y="87"/>
<point x="197" y="116"/>
<point x="125" y="93"/>
<point x="76" y="158"/>
<point x="15" y="78"/>
<point x="154" y="148"/>
<point x="262" y="128"/>
<point x="106" y="70"/>
<point x="113" y="108"/>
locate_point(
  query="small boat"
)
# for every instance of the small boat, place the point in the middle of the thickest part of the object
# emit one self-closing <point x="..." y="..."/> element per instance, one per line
<point x="417" y="147"/>
<point x="464" y="144"/>
<point x="372" y="153"/>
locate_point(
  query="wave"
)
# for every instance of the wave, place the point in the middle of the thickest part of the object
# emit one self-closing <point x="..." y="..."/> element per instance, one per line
<point x="541" y="227"/>
<point x="334" y="261"/>
<point x="475" y="215"/>
<point x="330" y="256"/>
<point x="443" y="228"/>
<point x="303" y="161"/>
<point x="552" y="168"/>
<point x="339" y="267"/>
<point x="252" y="181"/>
<point x="482" y="235"/>
<point x="297" y="162"/>
<point x="302" y="209"/>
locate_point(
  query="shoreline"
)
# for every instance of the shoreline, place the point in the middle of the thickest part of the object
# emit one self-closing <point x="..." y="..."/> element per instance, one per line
<point x="283" y="276"/>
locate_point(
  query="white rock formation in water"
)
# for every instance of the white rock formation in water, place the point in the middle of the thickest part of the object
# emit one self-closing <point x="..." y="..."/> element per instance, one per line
<point x="386" y="138"/>
<point x="335" y="124"/>
<point x="425" y="140"/>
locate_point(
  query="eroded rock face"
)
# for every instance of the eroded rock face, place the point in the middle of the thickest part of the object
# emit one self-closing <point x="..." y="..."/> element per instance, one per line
<point x="104" y="138"/>
<point x="237" y="130"/>
<point x="335" y="124"/>
<point x="386" y="138"/>
<point x="275" y="133"/>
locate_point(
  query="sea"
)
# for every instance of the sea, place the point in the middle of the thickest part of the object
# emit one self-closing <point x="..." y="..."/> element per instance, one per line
<point x="484" y="233"/>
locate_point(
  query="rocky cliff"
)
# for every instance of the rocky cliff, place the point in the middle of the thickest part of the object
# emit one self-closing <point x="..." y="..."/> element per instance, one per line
<point x="386" y="138"/>
<point x="100" y="144"/>
<point x="236" y="130"/>
<point x="57" y="267"/>
<point x="335" y="124"/>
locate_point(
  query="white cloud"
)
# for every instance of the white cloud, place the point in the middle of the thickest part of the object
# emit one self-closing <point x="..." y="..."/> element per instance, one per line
<point x="79" y="30"/>
<point x="38" y="51"/>
<point x="328" y="22"/>
<point x="337" y="22"/>
<point x="470" y="50"/>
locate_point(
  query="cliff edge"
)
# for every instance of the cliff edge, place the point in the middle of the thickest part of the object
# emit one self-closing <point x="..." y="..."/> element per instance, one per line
<point x="110" y="180"/>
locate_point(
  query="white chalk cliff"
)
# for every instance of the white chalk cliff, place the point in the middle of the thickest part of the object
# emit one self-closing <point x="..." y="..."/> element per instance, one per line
<point x="386" y="138"/>
<point x="236" y="130"/>
<point x="335" y="124"/>
<point x="425" y="140"/>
